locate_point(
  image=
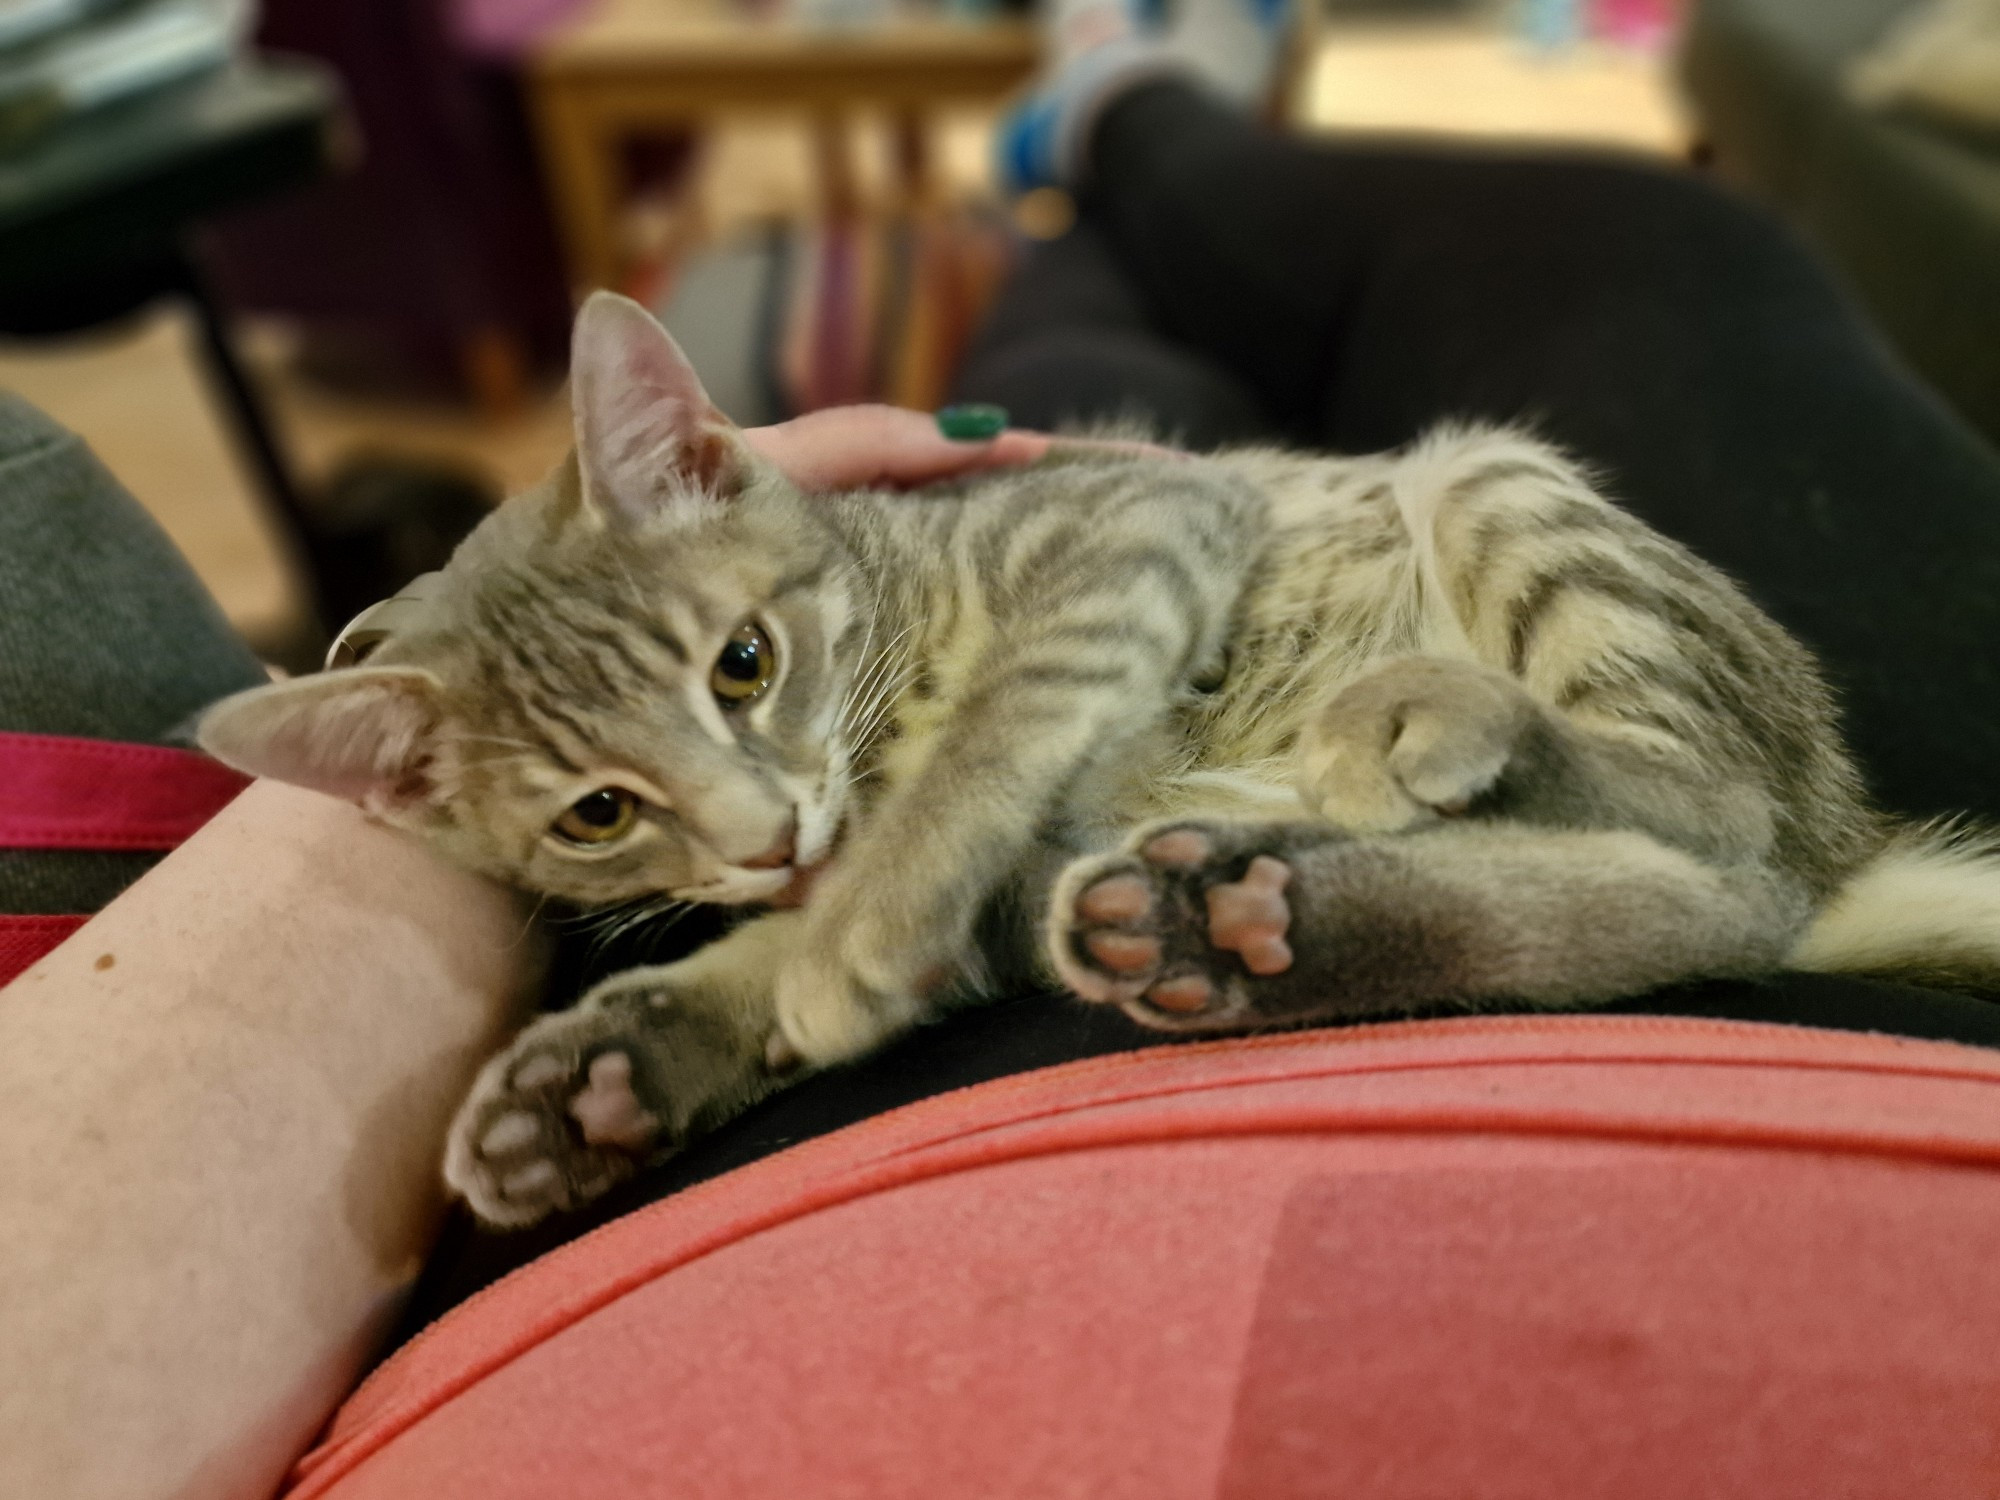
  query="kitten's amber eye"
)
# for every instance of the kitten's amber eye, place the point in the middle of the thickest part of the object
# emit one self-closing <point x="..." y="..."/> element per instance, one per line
<point x="604" y="815"/>
<point x="745" y="667"/>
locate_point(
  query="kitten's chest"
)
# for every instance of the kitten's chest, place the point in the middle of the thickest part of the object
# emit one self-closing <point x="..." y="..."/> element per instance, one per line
<point x="939" y="669"/>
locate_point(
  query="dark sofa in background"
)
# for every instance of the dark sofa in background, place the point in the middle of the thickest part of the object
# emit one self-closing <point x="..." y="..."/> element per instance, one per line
<point x="1908" y="210"/>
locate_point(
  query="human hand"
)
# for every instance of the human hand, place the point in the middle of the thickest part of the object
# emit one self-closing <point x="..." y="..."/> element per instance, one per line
<point x="852" y="447"/>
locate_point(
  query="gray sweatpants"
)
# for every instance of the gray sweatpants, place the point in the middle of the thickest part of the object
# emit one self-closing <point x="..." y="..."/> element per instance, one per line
<point x="105" y="632"/>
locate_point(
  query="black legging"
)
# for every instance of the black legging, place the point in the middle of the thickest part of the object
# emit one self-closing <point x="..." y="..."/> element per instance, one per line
<point x="1235" y="285"/>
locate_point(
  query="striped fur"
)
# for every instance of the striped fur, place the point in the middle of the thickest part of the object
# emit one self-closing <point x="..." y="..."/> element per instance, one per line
<point x="1512" y="743"/>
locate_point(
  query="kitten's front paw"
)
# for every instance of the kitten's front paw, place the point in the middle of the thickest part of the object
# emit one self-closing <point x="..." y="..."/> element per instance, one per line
<point x="1178" y="926"/>
<point x="1415" y="740"/>
<point x="584" y="1097"/>
<point x="553" y="1121"/>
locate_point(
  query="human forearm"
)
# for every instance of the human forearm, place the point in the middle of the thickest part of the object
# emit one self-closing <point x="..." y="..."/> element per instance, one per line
<point x="221" y="1109"/>
<point x="219" y="1151"/>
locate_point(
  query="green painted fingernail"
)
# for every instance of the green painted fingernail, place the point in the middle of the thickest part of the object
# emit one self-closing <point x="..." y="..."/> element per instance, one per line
<point x="975" y="423"/>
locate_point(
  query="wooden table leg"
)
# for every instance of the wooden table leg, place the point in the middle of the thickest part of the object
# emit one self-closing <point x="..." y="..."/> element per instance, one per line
<point x="916" y="169"/>
<point x="837" y="364"/>
<point x="833" y="165"/>
<point x="494" y="364"/>
<point x="580" y="158"/>
<point x="912" y="365"/>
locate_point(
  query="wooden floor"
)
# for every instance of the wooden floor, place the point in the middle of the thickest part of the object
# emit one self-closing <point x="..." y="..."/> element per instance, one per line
<point x="136" y="396"/>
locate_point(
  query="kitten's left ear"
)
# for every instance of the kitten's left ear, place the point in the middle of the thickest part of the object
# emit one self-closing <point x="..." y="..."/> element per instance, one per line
<point x="647" y="436"/>
<point x="363" y="734"/>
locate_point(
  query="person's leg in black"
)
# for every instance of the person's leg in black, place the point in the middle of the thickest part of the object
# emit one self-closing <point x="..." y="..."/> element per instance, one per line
<point x="1679" y="340"/>
<point x="105" y="633"/>
<point x="1068" y="342"/>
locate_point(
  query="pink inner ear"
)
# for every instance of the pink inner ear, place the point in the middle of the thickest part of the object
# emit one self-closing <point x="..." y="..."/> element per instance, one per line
<point x="645" y="427"/>
<point x="358" y="735"/>
<point x="708" y="457"/>
<point x="372" y="749"/>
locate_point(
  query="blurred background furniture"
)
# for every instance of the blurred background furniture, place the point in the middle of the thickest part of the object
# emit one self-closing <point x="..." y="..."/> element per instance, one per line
<point x="437" y="253"/>
<point x="638" y="67"/>
<point x="1907" y="209"/>
<point x="357" y="261"/>
<point x="879" y="298"/>
<point x="97" y="216"/>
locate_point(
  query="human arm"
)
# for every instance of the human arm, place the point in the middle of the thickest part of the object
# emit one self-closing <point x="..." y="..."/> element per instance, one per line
<point x="854" y="447"/>
<point x="220" y="1104"/>
<point x="219" y="1153"/>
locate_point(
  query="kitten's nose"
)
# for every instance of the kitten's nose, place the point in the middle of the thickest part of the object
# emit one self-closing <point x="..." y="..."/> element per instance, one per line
<point x="780" y="852"/>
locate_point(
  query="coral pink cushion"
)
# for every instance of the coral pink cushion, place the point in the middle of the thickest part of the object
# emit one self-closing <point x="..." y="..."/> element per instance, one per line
<point x="1533" y="1257"/>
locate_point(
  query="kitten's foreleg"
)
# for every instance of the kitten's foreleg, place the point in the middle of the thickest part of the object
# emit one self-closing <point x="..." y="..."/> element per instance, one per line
<point x="1215" y="926"/>
<point x="891" y="928"/>
<point x="1097" y="616"/>
<point x="646" y="1060"/>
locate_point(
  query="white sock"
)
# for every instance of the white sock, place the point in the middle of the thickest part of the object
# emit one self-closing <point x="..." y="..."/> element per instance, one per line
<point x="1234" y="46"/>
<point x="1079" y="26"/>
<point x="1098" y="50"/>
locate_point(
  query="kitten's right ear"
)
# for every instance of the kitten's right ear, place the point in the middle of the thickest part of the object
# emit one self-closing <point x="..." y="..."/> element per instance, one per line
<point x="363" y="734"/>
<point x="647" y="436"/>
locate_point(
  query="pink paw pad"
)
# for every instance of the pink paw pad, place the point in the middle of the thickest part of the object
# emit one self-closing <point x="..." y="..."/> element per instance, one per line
<point x="1185" y="995"/>
<point x="1124" y="952"/>
<point x="1250" y="917"/>
<point x="609" y="1111"/>
<point x="1122" y="898"/>
<point x="1182" y="849"/>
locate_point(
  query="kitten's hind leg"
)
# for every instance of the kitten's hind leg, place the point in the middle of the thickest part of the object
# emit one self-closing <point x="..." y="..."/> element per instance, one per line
<point x="643" y="1062"/>
<point x="1208" y="926"/>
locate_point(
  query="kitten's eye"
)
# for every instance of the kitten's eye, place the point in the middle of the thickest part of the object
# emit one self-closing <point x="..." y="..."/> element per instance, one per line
<point x="604" y="815"/>
<point x="745" y="667"/>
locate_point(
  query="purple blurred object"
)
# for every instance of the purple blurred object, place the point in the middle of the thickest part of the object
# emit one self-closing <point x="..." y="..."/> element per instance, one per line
<point x="501" y="29"/>
<point x="439" y="248"/>
<point x="1646" y="25"/>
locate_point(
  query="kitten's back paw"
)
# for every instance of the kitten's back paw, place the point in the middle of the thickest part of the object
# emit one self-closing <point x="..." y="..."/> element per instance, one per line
<point x="1174" y="927"/>
<point x="1416" y="740"/>
<point x="554" y="1121"/>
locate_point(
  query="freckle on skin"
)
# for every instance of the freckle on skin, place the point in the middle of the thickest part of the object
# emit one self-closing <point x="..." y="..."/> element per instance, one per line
<point x="105" y="961"/>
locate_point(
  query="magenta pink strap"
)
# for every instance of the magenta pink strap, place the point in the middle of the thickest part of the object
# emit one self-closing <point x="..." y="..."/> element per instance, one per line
<point x="58" y="793"/>
<point x="25" y="939"/>
<point x="62" y="793"/>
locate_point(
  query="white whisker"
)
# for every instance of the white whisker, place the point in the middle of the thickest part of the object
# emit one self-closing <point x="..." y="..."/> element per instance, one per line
<point x="528" y="926"/>
<point x="614" y="922"/>
<point x="493" y="739"/>
<point x="876" y="688"/>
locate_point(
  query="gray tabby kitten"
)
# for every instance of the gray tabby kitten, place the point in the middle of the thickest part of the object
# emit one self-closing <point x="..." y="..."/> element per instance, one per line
<point x="1227" y="742"/>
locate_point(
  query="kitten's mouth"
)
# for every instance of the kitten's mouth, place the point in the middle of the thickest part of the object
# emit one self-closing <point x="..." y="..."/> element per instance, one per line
<point x="807" y="875"/>
<point x="804" y="878"/>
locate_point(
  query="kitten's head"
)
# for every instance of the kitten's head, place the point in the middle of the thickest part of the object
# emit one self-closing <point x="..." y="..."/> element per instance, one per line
<point x="629" y="681"/>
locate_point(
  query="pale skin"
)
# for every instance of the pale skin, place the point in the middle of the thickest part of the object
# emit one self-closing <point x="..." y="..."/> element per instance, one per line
<point x="223" y="1104"/>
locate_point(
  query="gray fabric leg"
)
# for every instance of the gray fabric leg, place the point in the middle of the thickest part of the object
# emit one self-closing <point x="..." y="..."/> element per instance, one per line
<point x="105" y="632"/>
